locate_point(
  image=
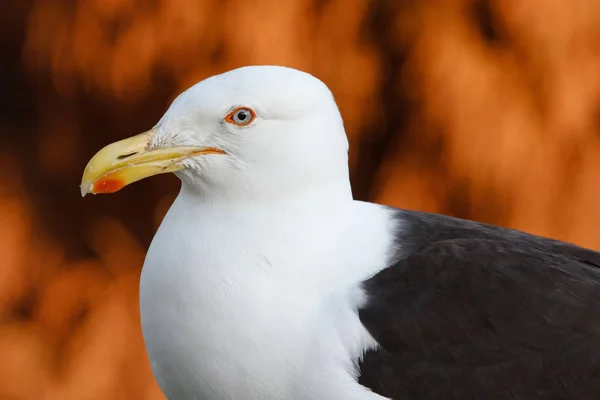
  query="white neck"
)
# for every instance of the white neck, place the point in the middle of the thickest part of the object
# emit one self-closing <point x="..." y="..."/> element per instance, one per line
<point x="238" y="296"/>
<point x="316" y="198"/>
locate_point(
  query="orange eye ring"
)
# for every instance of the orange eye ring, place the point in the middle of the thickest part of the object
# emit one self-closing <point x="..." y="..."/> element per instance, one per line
<point x="241" y="116"/>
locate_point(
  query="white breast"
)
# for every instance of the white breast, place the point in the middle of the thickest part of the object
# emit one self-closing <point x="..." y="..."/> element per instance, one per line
<point x="255" y="305"/>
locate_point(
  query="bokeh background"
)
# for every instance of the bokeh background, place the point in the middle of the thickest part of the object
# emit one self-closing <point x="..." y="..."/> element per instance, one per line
<point x="488" y="110"/>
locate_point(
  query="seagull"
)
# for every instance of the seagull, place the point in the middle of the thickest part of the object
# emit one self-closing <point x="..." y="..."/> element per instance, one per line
<point x="267" y="280"/>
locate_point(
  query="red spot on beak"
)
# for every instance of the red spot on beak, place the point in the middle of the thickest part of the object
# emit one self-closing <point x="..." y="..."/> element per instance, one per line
<point x="108" y="185"/>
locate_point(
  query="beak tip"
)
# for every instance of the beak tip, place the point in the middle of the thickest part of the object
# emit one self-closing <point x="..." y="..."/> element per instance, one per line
<point x="86" y="188"/>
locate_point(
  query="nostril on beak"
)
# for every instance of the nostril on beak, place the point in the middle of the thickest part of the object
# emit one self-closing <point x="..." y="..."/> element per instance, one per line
<point x="124" y="156"/>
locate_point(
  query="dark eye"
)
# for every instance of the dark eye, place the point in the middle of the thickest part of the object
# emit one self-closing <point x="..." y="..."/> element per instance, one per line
<point x="241" y="116"/>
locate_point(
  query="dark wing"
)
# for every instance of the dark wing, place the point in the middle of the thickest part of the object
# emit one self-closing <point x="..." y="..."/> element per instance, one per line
<point x="473" y="311"/>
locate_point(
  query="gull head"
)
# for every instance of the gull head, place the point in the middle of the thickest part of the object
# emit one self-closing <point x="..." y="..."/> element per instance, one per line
<point x="251" y="132"/>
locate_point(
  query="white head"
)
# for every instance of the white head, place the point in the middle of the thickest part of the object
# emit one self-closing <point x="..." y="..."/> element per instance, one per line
<point x="250" y="133"/>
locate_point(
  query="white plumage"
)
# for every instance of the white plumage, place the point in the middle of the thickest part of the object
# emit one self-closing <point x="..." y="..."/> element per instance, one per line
<point x="251" y="285"/>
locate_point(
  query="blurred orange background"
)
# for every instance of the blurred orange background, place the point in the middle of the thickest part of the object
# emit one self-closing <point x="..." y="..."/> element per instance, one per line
<point x="488" y="110"/>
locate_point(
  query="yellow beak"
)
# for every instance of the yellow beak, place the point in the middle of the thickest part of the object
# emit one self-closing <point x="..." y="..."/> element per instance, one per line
<point x="129" y="160"/>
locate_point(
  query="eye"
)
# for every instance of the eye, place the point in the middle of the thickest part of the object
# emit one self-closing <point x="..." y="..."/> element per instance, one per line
<point x="241" y="116"/>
